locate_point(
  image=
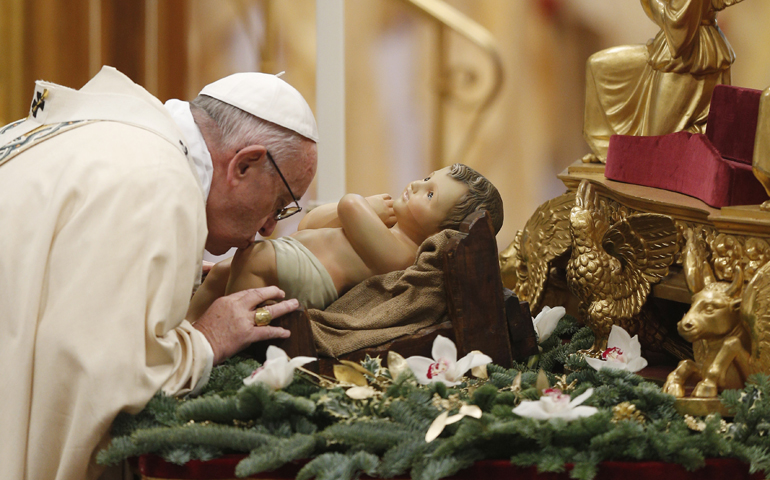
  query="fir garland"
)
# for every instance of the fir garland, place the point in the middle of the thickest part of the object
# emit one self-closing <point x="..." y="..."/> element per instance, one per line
<point x="384" y="435"/>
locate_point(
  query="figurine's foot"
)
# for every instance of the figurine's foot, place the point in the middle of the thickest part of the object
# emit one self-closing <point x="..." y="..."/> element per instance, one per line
<point x="593" y="158"/>
<point x="705" y="389"/>
<point x="765" y="207"/>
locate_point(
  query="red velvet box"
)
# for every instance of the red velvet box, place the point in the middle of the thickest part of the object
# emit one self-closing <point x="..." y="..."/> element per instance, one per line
<point x="715" y="168"/>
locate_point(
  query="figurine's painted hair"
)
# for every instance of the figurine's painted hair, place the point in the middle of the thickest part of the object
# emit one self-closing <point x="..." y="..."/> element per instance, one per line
<point x="481" y="195"/>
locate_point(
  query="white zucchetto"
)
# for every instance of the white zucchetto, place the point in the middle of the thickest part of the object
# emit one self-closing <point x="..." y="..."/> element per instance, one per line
<point x="267" y="97"/>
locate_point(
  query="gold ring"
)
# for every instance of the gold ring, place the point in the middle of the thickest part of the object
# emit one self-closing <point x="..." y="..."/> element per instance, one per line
<point x="262" y="316"/>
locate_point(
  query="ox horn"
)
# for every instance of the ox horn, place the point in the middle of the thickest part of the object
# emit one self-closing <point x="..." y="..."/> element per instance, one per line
<point x="735" y="288"/>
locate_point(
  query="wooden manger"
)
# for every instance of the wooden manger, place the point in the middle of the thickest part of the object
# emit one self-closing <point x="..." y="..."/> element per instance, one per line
<point x="480" y="314"/>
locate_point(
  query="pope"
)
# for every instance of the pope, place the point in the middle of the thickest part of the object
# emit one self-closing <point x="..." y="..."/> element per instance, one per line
<point x="107" y="199"/>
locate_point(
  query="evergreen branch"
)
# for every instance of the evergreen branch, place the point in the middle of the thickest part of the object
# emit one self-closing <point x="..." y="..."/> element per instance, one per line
<point x="278" y="453"/>
<point x="374" y="436"/>
<point x="160" y="439"/>
<point x="339" y="466"/>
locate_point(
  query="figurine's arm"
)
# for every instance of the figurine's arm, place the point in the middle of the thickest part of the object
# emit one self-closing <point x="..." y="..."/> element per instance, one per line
<point x="325" y="216"/>
<point x="212" y="288"/>
<point x="373" y="241"/>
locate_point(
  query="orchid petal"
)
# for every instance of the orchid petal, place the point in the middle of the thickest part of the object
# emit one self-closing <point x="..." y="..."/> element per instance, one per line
<point x="466" y="363"/>
<point x="545" y="322"/>
<point x="449" y="383"/>
<point x="581" y="398"/>
<point x="274" y="352"/>
<point x="635" y="348"/>
<point x="637" y="364"/>
<point x="615" y="365"/>
<point x="420" y="366"/>
<point x="582" y="411"/>
<point x="531" y="409"/>
<point x="619" y="338"/>
<point x="299" y="361"/>
<point x="444" y="348"/>
<point x="595" y="363"/>
<point x="278" y="371"/>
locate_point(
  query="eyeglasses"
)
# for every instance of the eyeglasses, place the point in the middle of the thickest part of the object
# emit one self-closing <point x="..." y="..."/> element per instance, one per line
<point x="285" y="212"/>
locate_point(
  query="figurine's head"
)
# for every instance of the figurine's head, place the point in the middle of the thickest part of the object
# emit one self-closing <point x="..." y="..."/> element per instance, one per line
<point x="444" y="198"/>
<point x="481" y="195"/>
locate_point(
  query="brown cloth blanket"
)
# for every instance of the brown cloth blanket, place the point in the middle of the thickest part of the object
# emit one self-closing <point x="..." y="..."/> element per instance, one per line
<point x="386" y="306"/>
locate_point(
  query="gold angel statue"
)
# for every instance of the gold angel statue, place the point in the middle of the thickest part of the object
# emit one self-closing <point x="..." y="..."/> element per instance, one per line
<point x="728" y="325"/>
<point x="664" y="86"/>
<point x="613" y="266"/>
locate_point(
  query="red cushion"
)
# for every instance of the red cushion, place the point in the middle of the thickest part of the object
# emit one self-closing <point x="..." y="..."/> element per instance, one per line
<point x="732" y="121"/>
<point x="685" y="163"/>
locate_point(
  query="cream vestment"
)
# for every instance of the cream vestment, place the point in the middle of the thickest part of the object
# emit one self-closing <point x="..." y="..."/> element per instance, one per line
<point x="103" y="228"/>
<point x="301" y="275"/>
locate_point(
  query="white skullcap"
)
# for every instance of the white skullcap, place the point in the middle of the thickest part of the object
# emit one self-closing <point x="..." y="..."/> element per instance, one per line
<point x="267" y="97"/>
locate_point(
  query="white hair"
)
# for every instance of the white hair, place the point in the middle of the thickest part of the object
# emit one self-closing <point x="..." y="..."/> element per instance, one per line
<point x="240" y="129"/>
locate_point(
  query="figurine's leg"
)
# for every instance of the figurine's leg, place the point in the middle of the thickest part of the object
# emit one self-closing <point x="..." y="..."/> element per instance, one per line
<point x="253" y="267"/>
<point x="213" y="287"/>
<point x="598" y="347"/>
<point x="600" y="325"/>
<point x="616" y="86"/>
<point x="675" y="380"/>
<point x="715" y="374"/>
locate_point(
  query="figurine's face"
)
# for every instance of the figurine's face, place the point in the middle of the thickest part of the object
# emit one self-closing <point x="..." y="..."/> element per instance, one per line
<point x="425" y="203"/>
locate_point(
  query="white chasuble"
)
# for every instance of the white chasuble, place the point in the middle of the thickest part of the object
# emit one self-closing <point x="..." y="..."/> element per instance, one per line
<point x="103" y="228"/>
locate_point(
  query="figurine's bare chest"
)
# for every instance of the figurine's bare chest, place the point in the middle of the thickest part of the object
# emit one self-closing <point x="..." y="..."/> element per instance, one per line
<point x="336" y="254"/>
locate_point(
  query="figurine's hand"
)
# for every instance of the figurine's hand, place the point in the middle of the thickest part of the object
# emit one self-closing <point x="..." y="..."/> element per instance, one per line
<point x="228" y="324"/>
<point x="383" y="206"/>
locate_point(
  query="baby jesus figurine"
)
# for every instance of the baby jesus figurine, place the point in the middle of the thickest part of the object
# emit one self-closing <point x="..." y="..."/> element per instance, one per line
<point x="340" y="245"/>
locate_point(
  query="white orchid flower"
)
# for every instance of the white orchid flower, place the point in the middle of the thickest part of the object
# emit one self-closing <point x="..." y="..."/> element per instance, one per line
<point x="546" y="321"/>
<point x="623" y="352"/>
<point x="444" y="366"/>
<point x="555" y="404"/>
<point x="444" y="419"/>
<point x="278" y="371"/>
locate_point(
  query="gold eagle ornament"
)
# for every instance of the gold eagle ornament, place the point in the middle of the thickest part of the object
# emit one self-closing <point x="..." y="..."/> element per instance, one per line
<point x="613" y="265"/>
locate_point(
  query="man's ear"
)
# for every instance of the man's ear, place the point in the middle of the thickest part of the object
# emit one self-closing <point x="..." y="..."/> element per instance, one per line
<point x="244" y="163"/>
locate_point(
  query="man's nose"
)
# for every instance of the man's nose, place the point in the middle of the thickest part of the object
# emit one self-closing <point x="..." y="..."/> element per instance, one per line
<point x="268" y="227"/>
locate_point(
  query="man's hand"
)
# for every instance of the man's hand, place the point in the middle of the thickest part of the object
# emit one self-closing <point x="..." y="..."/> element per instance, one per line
<point x="383" y="206"/>
<point x="228" y="324"/>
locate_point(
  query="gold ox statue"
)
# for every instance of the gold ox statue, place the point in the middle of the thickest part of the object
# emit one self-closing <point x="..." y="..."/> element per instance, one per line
<point x="728" y="325"/>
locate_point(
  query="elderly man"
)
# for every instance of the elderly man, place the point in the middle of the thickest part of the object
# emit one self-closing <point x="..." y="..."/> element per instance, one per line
<point x="107" y="198"/>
